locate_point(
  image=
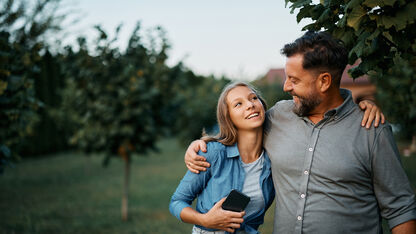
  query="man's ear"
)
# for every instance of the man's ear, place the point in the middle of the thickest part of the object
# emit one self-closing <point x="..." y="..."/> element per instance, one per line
<point x="324" y="81"/>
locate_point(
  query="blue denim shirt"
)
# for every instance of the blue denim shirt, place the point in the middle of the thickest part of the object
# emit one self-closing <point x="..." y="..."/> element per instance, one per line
<point x="210" y="186"/>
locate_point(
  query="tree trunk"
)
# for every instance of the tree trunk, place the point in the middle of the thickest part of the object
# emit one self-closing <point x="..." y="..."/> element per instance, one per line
<point x="125" y="199"/>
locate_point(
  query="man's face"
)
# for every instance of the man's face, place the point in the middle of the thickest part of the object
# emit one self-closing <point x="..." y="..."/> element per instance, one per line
<point x="301" y="84"/>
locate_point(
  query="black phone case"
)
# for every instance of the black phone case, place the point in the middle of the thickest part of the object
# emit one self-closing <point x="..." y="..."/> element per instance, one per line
<point x="235" y="201"/>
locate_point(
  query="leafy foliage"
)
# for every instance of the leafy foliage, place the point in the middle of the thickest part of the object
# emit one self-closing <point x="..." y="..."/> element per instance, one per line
<point x="397" y="94"/>
<point x="271" y="92"/>
<point x="119" y="103"/>
<point x="20" y="46"/>
<point x="198" y="111"/>
<point x="382" y="34"/>
<point x="17" y="103"/>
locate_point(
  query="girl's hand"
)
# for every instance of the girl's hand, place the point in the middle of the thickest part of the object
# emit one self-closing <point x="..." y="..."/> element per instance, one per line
<point x="217" y="218"/>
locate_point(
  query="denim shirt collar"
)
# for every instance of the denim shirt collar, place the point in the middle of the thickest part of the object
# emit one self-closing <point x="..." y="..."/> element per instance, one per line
<point x="232" y="151"/>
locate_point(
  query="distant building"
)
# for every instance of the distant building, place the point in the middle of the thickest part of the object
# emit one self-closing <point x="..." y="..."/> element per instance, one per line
<point x="360" y="87"/>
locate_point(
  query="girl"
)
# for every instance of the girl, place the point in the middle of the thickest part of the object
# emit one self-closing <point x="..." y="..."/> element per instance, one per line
<point x="238" y="161"/>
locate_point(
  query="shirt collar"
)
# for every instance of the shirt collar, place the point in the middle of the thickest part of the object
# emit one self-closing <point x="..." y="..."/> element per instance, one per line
<point x="232" y="151"/>
<point x="345" y="107"/>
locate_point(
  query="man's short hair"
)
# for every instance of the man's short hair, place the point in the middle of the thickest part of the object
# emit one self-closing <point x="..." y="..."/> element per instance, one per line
<point x="321" y="52"/>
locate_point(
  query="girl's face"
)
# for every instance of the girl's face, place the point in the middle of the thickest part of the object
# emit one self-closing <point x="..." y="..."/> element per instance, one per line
<point x="245" y="108"/>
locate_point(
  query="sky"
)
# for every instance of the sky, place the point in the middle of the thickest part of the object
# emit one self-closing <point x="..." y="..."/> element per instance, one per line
<point x="240" y="39"/>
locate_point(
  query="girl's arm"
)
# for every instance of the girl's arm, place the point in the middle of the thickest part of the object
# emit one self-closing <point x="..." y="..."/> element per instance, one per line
<point x="216" y="218"/>
<point x="190" y="186"/>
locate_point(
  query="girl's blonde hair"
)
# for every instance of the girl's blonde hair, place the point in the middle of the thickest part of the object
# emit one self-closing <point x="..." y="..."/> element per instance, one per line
<point x="228" y="132"/>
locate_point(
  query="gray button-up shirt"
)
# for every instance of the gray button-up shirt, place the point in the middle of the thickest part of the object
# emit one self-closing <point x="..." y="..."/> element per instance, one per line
<point x="335" y="176"/>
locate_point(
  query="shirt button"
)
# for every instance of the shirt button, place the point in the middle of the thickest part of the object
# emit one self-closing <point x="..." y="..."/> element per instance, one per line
<point x="310" y="149"/>
<point x="302" y="195"/>
<point x="306" y="172"/>
<point x="299" y="218"/>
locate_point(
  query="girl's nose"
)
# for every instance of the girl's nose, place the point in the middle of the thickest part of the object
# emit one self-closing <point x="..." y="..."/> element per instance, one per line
<point x="250" y="105"/>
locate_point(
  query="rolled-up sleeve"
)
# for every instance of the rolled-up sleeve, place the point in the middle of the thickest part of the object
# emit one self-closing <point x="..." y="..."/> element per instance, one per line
<point x="190" y="186"/>
<point x="392" y="188"/>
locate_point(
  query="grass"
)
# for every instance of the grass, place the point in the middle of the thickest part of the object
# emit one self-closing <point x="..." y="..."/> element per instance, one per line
<point x="73" y="193"/>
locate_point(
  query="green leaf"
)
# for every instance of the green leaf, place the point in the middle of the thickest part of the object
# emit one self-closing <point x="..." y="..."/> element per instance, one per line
<point x="374" y="35"/>
<point x="373" y="3"/>
<point x="356" y="72"/>
<point x="403" y="17"/>
<point x="355" y="17"/>
<point x="352" y="4"/>
<point x="388" y="36"/>
<point x="342" y="22"/>
<point x="304" y="13"/>
<point x="398" y="23"/>
<point x="298" y="3"/>
<point x="3" y="86"/>
<point x="389" y="2"/>
<point x="358" y="49"/>
<point x="325" y="16"/>
<point x="317" y="11"/>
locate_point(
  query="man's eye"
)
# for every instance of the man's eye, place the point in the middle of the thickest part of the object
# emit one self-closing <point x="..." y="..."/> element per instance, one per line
<point x="255" y="98"/>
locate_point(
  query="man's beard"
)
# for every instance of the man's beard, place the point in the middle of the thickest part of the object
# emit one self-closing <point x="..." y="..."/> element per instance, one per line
<point x="306" y="104"/>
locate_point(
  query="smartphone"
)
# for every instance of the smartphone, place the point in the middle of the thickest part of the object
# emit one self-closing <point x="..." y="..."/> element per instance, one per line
<point x="235" y="201"/>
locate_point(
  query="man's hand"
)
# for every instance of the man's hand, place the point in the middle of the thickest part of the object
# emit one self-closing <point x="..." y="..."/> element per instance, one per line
<point x="371" y="112"/>
<point x="217" y="218"/>
<point x="193" y="161"/>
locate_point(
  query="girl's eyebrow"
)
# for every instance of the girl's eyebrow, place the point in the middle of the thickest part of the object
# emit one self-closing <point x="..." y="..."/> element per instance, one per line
<point x="236" y="99"/>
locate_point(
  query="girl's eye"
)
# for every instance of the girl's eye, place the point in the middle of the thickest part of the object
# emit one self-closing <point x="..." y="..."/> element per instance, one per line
<point x="237" y="104"/>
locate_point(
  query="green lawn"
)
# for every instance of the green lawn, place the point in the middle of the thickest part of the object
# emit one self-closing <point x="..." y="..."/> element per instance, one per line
<point x="72" y="193"/>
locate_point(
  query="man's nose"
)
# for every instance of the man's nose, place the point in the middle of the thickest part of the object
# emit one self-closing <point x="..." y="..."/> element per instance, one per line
<point x="287" y="86"/>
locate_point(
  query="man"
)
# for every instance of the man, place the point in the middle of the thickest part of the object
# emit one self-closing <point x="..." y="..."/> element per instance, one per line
<point x="330" y="175"/>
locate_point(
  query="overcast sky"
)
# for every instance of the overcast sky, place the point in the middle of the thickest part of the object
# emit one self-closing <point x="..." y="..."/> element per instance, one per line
<point x="240" y="39"/>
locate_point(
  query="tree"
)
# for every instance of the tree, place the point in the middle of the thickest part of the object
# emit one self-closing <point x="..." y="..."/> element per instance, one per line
<point x="21" y="33"/>
<point x="382" y="35"/>
<point x="120" y="103"/>
<point x="271" y="92"/>
<point x="198" y="109"/>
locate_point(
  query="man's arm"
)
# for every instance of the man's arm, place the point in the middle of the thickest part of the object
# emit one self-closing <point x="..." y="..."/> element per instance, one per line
<point x="393" y="191"/>
<point x="408" y="227"/>
<point x="371" y="112"/>
<point x="194" y="162"/>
